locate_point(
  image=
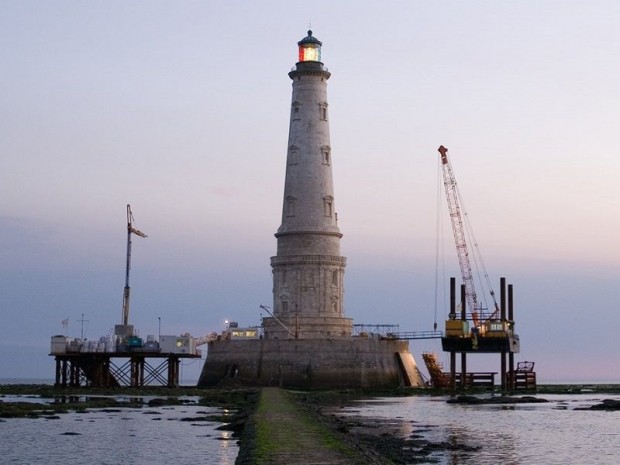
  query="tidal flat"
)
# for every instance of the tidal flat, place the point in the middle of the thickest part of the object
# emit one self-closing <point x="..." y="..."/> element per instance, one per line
<point x="33" y="401"/>
<point x="405" y="426"/>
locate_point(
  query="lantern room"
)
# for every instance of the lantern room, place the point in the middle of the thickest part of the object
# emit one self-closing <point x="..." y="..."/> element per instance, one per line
<point x="309" y="48"/>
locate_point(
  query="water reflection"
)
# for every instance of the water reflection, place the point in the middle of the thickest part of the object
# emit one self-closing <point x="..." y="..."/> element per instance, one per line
<point x="550" y="433"/>
<point x="154" y="435"/>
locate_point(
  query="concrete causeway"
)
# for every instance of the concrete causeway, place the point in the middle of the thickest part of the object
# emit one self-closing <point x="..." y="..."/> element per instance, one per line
<point x="285" y="433"/>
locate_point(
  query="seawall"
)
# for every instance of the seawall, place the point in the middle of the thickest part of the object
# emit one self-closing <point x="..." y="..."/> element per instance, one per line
<point x="306" y="363"/>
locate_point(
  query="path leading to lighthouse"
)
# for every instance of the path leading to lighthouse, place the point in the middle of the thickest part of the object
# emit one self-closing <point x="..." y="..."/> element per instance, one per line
<point x="281" y="432"/>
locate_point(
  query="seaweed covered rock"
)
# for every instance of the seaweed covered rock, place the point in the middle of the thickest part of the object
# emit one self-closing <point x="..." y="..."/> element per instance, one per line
<point x="607" y="404"/>
<point x="473" y="400"/>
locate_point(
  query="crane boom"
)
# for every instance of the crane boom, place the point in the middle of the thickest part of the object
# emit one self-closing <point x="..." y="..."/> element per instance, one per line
<point x="126" y="291"/>
<point x="458" y="230"/>
<point x="489" y="333"/>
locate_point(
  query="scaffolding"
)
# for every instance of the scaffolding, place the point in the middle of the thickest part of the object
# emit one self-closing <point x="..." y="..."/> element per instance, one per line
<point x="134" y="369"/>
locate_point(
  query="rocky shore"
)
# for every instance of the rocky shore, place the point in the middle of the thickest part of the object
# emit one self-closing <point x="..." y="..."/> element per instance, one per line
<point x="381" y="440"/>
<point x="607" y="405"/>
<point x="53" y="401"/>
<point x="474" y="400"/>
<point x="358" y="439"/>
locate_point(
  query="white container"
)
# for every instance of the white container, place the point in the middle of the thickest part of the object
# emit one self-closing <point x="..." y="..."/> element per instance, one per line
<point x="74" y="346"/>
<point x="59" y="345"/>
<point x="177" y="344"/>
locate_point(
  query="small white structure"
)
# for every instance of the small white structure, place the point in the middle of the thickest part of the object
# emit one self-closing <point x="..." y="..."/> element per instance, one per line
<point x="177" y="344"/>
<point x="59" y="344"/>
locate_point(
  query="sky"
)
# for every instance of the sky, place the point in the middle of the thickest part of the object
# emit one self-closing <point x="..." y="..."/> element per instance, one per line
<point x="181" y="109"/>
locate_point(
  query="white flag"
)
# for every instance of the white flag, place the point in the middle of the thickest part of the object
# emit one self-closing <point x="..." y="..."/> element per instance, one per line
<point x="137" y="232"/>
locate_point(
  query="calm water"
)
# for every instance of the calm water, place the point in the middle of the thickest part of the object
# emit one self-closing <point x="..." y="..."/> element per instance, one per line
<point x="550" y="433"/>
<point x="130" y="436"/>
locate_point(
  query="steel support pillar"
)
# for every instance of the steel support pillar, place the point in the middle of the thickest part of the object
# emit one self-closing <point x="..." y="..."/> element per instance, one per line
<point x="173" y="371"/>
<point x="137" y="371"/>
<point x="511" y="355"/>
<point x="502" y="308"/>
<point x="463" y="354"/>
<point x="453" y="316"/>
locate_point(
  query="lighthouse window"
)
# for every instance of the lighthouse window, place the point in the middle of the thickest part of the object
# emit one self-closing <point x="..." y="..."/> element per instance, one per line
<point x="335" y="277"/>
<point x="323" y="111"/>
<point x="325" y="151"/>
<point x="290" y="206"/>
<point x="296" y="112"/>
<point x="328" y="205"/>
<point x="292" y="155"/>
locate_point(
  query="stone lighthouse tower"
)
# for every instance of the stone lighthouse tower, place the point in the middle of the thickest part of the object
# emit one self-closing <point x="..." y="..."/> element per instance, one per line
<point x="307" y="341"/>
<point x="308" y="269"/>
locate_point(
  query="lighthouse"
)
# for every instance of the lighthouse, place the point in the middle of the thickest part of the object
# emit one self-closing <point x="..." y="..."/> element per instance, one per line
<point x="307" y="341"/>
<point x="308" y="270"/>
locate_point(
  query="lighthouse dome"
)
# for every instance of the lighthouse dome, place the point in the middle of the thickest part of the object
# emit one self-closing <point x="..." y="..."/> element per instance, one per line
<point x="309" y="48"/>
<point x="310" y="39"/>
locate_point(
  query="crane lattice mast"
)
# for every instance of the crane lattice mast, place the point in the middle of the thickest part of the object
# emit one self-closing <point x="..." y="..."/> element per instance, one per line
<point x="130" y="230"/>
<point x="458" y="230"/>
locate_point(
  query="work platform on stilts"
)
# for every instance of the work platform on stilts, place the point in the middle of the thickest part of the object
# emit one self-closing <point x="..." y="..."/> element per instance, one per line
<point x="118" y="369"/>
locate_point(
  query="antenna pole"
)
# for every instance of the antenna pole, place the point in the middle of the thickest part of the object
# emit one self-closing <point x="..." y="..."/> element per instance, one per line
<point x="82" y="332"/>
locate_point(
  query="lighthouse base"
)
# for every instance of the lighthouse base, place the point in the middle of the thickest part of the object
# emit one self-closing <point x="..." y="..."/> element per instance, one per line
<point x="355" y="362"/>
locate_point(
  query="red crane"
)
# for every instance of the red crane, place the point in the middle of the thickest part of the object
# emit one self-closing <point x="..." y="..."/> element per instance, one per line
<point x="458" y="230"/>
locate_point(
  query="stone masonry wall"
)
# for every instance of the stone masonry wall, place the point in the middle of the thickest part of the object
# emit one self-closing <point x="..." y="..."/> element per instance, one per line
<point x="326" y="363"/>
